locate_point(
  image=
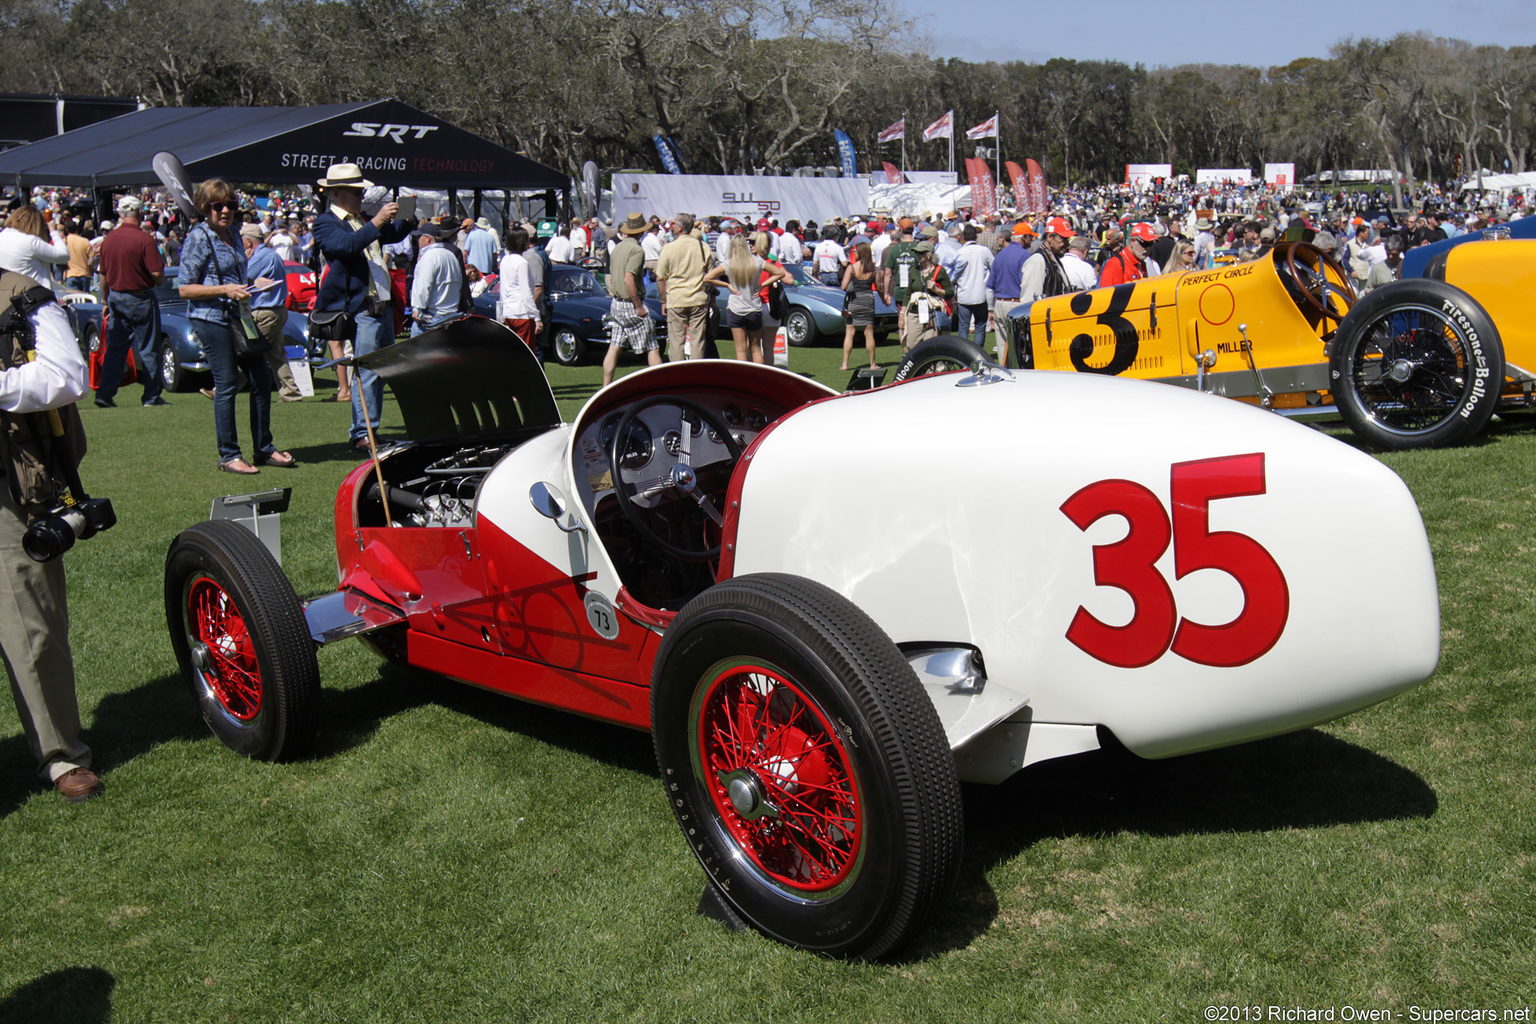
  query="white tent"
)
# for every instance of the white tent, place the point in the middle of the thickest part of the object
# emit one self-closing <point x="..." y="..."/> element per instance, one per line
<point x="1501" y="182"/>
<point x="914" y="200"/>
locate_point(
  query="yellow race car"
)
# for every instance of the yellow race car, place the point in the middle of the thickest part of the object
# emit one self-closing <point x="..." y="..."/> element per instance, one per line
<point x="1415" y="364"/>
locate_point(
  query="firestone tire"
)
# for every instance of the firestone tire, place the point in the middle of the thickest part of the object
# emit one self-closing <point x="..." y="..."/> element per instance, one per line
<point x="806" y="766"/>
<point x="943" y="354"/>
<point x="1417" y="364"/>
<point x="240" y="637"/>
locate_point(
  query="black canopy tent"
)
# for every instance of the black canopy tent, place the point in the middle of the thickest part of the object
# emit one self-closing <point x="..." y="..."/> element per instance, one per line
<point x="394" y="143"/>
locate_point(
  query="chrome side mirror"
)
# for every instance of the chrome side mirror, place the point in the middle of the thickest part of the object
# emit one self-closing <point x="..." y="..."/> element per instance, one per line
<point x="549" y="502"/>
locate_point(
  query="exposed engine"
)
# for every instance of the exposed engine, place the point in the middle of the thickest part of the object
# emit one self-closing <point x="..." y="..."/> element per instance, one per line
<point x="439" y="493"/>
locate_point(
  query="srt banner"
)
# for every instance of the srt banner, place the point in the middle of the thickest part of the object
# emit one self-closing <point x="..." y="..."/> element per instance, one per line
<point x="745" y="197"/>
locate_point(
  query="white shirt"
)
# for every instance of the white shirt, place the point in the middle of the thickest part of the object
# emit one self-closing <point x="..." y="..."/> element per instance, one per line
<point x="27" y="254"/>
<point x="829" y="256"/>
<point x="285" y="245"/>
<point x="650" y="246"/>
<point x="973" y="265"/>
<point x="516" y="289"/>
<point x="561" y="250"/>
<point x="435" y="288"/>
<point x="788" y="249"/>
<point x="879" y="245"/>
<point x="578" y="237"/>
<point x="1080" y="273"/>
<point x="56" y="377"/>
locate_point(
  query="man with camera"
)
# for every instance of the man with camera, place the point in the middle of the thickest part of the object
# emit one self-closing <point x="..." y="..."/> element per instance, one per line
<point x="34" y="616"/>
<point x="356" y="286"/>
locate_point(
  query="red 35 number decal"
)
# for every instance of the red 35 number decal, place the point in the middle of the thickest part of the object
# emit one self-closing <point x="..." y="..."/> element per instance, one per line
<point x="1130" y="565"/>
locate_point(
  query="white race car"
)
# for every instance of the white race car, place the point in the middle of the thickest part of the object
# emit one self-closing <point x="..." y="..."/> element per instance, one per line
<point x="831" y="609"/>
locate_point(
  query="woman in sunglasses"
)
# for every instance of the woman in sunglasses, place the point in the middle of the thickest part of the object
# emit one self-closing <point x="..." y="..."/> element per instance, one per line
<point x="213" y="282"/>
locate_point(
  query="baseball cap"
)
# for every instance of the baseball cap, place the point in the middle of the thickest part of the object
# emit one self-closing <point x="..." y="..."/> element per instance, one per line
<point x="1059" y="226"/>
<point x="1023" y="228"/>
<point x="129" y="204"/>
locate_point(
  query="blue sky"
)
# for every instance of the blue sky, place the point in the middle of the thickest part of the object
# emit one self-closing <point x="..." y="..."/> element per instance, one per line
<point x="1157" y="33"/>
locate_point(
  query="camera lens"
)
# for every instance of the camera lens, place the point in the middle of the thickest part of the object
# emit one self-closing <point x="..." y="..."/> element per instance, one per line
<point x="51" y="536"/>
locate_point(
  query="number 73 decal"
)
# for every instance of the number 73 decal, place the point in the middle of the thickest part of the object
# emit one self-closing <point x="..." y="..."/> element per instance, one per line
<point x="1130" y="565"/>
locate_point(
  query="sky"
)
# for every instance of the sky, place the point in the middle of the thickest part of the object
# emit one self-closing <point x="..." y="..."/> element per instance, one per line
<point x="1155" y="33"/>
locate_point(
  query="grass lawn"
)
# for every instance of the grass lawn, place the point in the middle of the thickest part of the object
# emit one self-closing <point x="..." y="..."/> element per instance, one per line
<point x="451" y="855"/>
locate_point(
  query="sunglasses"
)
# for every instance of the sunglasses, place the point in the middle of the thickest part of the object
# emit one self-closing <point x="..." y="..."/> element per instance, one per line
<point x="220" y="207"/>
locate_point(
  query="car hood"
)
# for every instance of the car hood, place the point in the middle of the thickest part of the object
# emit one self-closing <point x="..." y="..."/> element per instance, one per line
<point x="469" y="378"/>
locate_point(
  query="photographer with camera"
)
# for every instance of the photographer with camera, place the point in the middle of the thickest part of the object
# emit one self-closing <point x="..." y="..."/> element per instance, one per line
<point x="42" y="370"/>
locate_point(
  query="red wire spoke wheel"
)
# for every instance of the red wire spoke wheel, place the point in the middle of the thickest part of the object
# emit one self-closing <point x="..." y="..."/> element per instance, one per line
<point x="228" y="655"/>
<point x="806" y="766"/>
<point x="240" y="638"/>
<point x="778" y="776"/>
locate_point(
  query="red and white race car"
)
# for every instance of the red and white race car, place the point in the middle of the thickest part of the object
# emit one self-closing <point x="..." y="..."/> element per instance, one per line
<point x="808" y="599"/>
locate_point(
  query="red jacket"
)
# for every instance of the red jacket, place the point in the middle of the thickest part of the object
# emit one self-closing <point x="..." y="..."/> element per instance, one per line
<point x="1120" y="268"/>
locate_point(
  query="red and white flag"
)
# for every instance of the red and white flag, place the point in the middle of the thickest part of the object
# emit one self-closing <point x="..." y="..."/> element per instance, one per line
<point x="894" y="132"/>
<point x="986" y="130"/>
<point x="893" y="175"/>
<point x="943" y="128"/>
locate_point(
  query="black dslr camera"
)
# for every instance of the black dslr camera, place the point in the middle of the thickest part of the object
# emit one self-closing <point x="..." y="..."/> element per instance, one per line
<point x="55" y="532"/>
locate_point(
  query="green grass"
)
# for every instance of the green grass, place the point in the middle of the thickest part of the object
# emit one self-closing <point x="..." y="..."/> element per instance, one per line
<point x="451" y="855"/>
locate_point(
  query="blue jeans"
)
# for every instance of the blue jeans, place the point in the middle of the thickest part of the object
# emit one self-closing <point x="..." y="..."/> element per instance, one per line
<point x="135" y="321"/>
<point x="372" y="335"/>
<point x="79" y="284"/>
<point x="974" y="314"/>
<point x="219" y="348"/>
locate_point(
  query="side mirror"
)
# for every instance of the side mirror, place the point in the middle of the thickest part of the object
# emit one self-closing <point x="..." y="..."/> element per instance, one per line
<point x="549" y="502"/>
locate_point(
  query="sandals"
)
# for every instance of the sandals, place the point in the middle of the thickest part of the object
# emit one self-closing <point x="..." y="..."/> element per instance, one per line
<point x="239" y="467"/>
<point x="283" y="459"/>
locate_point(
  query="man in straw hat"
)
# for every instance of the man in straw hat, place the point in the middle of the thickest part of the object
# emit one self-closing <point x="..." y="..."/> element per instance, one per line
<point x="356" y="281"/>
<point x="630" y="322"/>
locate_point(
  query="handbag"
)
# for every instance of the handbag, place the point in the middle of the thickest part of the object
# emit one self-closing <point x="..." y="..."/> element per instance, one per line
<point x="332" y="325"/>
<point x="248" y="339"/>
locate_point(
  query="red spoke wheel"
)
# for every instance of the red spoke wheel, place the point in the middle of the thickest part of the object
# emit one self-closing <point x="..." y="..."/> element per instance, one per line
<point x="806" y="766"/>
<point x="240" y="637"/>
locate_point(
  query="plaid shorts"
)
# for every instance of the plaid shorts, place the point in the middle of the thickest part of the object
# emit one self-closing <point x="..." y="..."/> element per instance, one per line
<point x="627" y="327"/>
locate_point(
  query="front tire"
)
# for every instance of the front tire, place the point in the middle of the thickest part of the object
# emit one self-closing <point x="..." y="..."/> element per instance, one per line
<point x="567" y="347"/>
<point x="1417" y="364"/>
<point x="944" y="354"/>
<point x="806" y="766"/>
<point x="800" y="328"/>
<point x="240" y="637"/>
<point x="173" y="376"/>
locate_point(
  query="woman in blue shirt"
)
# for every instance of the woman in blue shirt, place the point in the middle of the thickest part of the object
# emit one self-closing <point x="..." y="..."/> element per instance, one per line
<point x="213" y="282"/>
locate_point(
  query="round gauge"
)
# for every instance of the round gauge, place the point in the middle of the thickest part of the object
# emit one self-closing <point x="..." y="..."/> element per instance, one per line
<point x="756" y="420"/>
<point x="638" y="447"/>
<point x="732" y="414"/>
<point x="672" y="441"/>
<point x="714" y="435"/>
<point x="694" y="421"/>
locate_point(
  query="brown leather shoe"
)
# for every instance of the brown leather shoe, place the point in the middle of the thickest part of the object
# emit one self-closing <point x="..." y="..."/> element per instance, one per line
<point x="78" y="784"/>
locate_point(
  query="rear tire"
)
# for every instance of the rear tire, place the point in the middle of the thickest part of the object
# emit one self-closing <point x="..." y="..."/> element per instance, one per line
<point x="567" y="348"/>
<point x="239" y="634"/>
<point x="806" y="766"/>
<point x="944" y="354"/>
<point x="1417" y="364"/>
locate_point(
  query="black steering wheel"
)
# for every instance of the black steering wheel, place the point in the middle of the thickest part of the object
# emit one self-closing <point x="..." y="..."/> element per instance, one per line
<point x="679" y="479"/>
<point x="1308" y="266"/>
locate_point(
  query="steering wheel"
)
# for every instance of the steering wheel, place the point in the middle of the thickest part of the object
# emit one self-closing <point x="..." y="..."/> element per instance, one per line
<point x="1308" y="266"/>
<point x="680" y="478"/>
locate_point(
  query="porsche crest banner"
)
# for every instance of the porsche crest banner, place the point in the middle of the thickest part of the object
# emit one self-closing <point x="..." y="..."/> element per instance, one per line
<point x="892" y="173"/>
<point x="983" y="191"/>
<point x="745" y="197"/>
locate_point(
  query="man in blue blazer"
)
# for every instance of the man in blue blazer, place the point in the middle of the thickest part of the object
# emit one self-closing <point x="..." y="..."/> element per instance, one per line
<point x="356" y="280"/>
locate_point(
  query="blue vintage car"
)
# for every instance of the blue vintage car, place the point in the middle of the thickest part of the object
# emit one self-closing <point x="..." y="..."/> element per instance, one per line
<point x="181" y="354"/>
<point x="578" y="311"/>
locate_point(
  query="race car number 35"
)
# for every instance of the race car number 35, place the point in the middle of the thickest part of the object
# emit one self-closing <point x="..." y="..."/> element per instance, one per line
<point x="1130" y="565"/>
